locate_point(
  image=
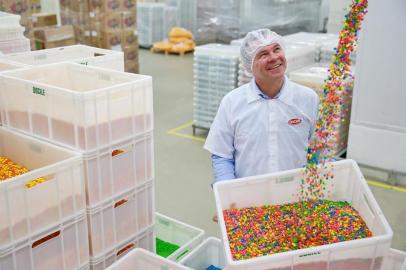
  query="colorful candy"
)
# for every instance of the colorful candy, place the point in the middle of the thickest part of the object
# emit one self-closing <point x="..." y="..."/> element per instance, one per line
<point x="260" y="231"/>
<point x="9" y="169"/>
<point x="331" y="107"/>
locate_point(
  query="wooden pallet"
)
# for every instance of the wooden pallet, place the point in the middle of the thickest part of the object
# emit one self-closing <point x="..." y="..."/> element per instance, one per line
<point x="156" y="50"/>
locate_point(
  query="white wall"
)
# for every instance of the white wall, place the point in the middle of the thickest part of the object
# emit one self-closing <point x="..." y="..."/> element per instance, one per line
<point x="378" y="122"/>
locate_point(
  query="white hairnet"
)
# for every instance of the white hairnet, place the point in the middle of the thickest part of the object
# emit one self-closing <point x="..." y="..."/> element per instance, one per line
<point x="254" y="41"/>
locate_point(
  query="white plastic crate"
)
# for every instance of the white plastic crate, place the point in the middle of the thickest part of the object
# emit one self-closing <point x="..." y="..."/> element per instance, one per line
<point x="186" y="236"/>
<point x="9" y="20"/>
<point x="348" y="184"/>
<point x="150" y="23"/>
<point x="7" y="65"/>
<point x="81" y="54"/>
<point x="394" y="260"/>
<point x="144" y="240"/>
<point x="81" y="107"/>
<point x="64" y="246"/>
<point x="15" y="46"/>
<point x="210" y="252"/>
<point x="25" y="211"/>
<point x="143" y="259"/>
<point x="120" y="218"/>
<point x="118" y="168"/>
<point x="11" y="33"/>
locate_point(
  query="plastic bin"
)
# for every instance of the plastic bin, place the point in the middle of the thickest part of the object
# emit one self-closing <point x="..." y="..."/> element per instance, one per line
<point x="5" y="66"/>
<point x="142" y="259"/>
<point x="144" y="240"/>
<point x="82" y="107"/>
<point x="176" y="232"/>
<point x="210" y="252"/>
<point x="118" y="168"/>
<point x="277" y="188"/>
<point x="15" y="46"/>
<point x="25" y="211"/>
<point x="120" y="218"/>
<point x="81" y="54"/>
<point x="9" y="20"/>
<point x="394" y="260"/>
<point x="11" y="33"/>
<point x="63" y="246"/>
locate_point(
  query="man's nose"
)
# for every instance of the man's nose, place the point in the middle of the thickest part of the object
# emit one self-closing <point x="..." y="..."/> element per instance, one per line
<point x="272" y="57"/>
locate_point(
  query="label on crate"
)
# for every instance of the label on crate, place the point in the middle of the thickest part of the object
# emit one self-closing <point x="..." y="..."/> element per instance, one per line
<point x="310" y="254"/>
<point x="38" y="91"/>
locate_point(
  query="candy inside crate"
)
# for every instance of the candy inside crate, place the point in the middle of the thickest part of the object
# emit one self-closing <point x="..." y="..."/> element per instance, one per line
<point x="50" y="192"/>
<point x="77" y="106"/>
<point x="186" y="236"/>
<point x="347" y="184"/>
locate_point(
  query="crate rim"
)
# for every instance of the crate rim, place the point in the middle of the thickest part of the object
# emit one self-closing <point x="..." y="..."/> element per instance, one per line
<point x="285" y="255"/>
<point x="135" y="78"/>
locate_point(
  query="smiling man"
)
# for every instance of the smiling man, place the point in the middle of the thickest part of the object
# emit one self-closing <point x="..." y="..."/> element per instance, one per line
<point x="265" y="125"/>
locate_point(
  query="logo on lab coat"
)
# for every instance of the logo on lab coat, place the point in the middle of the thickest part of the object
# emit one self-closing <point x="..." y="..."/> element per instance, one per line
<point x="294" y="121"/>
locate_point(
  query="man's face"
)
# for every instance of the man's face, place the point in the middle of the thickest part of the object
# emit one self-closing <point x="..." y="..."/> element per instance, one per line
<point x="269" y="63"/>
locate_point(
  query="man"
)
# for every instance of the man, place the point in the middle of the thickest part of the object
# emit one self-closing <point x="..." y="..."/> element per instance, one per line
<point x="265" y="125"/>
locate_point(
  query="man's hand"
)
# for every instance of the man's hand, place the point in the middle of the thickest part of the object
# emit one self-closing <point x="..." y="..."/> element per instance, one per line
<point x="215" y="218"/>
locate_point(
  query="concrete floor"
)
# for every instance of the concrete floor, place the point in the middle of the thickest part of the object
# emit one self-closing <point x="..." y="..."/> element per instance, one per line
<point x="183" y="167"/>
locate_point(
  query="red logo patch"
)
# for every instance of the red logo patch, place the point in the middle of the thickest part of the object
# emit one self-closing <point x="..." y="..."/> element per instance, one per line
<point x="295" y="121"/>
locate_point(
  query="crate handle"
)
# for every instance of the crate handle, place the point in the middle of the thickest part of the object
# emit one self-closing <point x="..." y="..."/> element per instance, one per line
<point x="120" y="202"/>
<point x="125" y="249"/>
<point x="117" y="152"/>
<point x="45" y="239"/>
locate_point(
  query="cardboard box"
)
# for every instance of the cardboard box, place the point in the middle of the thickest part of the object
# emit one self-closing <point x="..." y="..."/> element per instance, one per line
<point x="129" y="38"/>
<point x="111" y="39"/>
<point x="111" y="21"/>
<point x="79" y="6"/>
<point x="43" y="19"/>
<point x="19" y="7"/>
<point x="130" y="53"/>
<point x="129" y="20"/>
<point x="131" y="66"/>
<point x="34" y="6"/>
<point x="129" y="5"/>
<point x="54" y="36"/>
<point x="104" y="5"/>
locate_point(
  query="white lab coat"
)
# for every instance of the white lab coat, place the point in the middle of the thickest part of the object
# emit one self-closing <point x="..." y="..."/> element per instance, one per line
<point x="264" y="135"/>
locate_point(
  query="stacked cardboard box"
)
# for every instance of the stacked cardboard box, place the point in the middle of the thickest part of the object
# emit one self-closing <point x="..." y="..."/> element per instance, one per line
<point x="109" y="24"/>
<point x="46" y="33"/>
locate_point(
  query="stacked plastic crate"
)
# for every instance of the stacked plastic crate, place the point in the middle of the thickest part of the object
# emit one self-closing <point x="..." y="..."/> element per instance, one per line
<point x="215" y="74"/>
<point x="43" y="222"/>
<point x="313" y="76"/>
<point x="186" y="13"/>
<point x="151" y="23"/>
<point x="106" y="116"/>
<point x="12" y="38"/>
